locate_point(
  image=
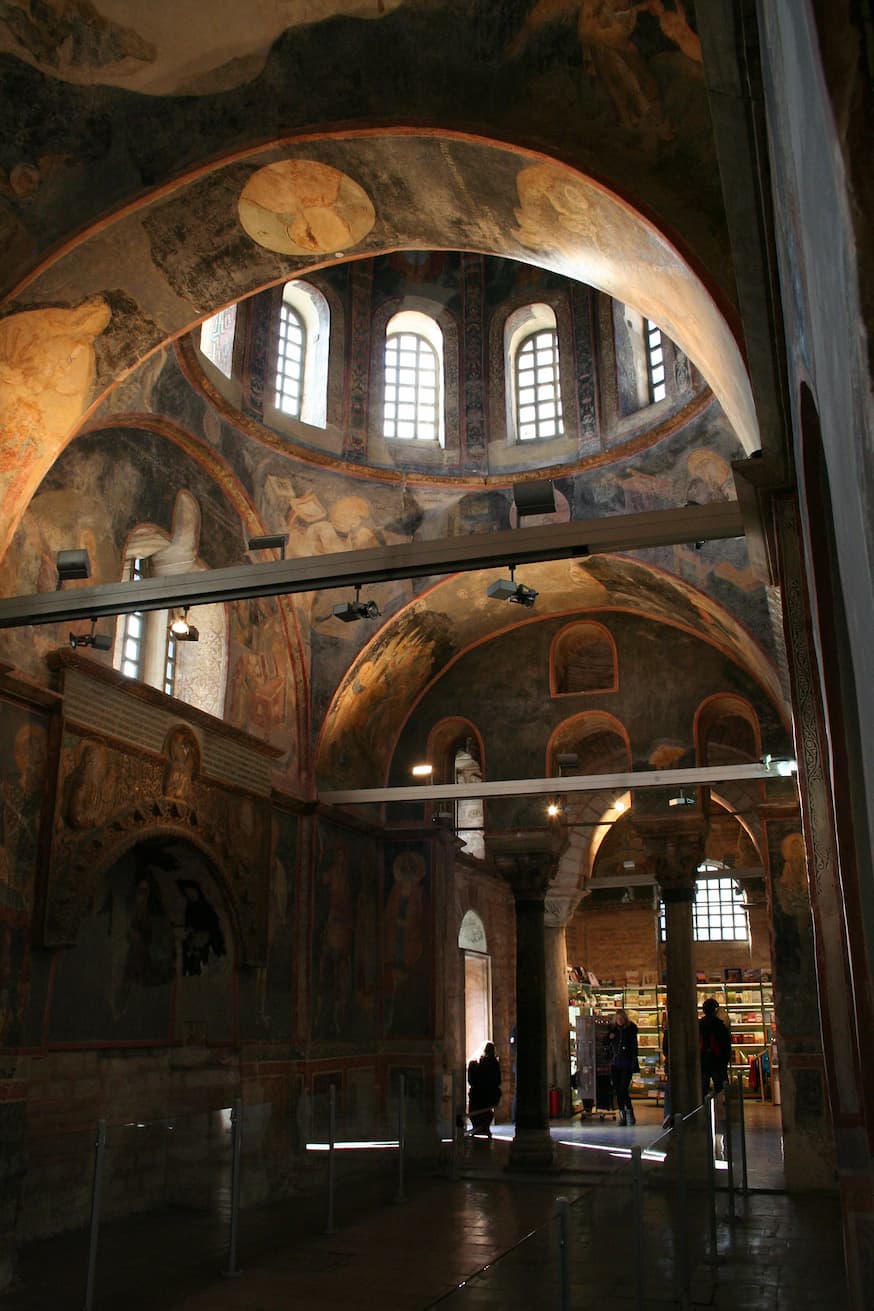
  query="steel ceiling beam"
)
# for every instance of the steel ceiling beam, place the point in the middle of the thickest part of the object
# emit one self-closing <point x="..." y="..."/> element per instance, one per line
<point x="419" y="559"/>
<point x="531" y="787"/>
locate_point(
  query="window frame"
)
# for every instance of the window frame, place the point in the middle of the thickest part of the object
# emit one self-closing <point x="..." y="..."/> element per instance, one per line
<point x="532" y="340"/>
<point x="729" y="893"/>
<point x="290" y="316"/>
<point x="426" y="334"/>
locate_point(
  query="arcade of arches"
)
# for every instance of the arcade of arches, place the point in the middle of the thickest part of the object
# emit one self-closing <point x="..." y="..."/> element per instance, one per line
<point x="623" y="256"/>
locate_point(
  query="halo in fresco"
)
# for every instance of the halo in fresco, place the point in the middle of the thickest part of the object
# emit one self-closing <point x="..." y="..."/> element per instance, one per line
<point x="302" y="207"/>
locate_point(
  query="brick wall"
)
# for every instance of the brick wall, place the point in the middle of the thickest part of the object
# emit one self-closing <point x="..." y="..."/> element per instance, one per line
<point x="612" y="939"/>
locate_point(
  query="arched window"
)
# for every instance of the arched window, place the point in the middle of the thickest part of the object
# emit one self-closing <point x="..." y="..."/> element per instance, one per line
<point x="217" y="339"/>
<point x="290" y="361"/>
<point x="303" y="338"/>
<point x="531" y="352"/>
<point x="655" y="362"/>
<point x="413" y="398"/>
<point x="192" y="670"/>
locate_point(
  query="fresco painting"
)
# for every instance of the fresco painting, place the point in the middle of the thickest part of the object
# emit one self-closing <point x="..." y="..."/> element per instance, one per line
<point x="301" y="207"/>
<point x="345" y="938"/>
<point x="267" y="1001"/>
<point x="406" y="938"/>
<point x="23" y="752"/>
<point x="154" y="957"/>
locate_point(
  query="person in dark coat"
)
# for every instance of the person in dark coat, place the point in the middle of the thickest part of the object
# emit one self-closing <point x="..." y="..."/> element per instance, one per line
<point x="484" y="1079"/>
<point x="714" y="1042"/>
<point x="621" y="1044"/>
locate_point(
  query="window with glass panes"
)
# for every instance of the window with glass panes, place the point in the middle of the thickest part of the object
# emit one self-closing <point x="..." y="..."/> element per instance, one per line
<point x="170" y="656"/>
<point x="411" y="388"/>
<point x="655" y="362"/>
<point x="719" y="912"/>
<point x="538" y="388"/>
<point x="134" y="632"/>
<point x="290" y="357"/>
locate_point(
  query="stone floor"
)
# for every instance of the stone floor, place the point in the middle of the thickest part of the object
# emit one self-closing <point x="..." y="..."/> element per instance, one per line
<point x="481" y="1241"/>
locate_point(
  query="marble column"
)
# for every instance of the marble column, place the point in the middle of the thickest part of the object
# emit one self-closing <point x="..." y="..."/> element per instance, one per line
<point x="529" y="874"/>
<point x="675" y="849"/>
<point x="558" y="1061"/>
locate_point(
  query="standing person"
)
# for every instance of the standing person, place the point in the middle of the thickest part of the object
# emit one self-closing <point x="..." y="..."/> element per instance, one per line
<point x="621" y="1043"/>
<point x="484" y="1078"/>
<point x="714" y="1042"/>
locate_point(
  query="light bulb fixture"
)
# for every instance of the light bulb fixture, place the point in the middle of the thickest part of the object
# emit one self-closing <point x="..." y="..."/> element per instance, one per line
<point x="422" y="771"/>
<point x="553" y="810"/>
<point x="99" y="641"/>
<point x="507" y="589"/>
<point x="620" y="807"/>
<point x="349" y="611"/>
<point x="783" y="766"/>
<point x="182" y="630"/>
<point x="72" y="564"/>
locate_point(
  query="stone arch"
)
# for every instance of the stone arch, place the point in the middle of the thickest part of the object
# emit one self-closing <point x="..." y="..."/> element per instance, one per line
<point x="728" y="725"/>
<point x="541" y="211"/>
<point x="87" y="860"/>
<point x="472" y="933"/>
<point x="582" y="659"/>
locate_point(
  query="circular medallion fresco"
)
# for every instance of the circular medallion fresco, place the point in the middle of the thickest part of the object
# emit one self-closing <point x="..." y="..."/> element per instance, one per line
<point x="301" y="207"/>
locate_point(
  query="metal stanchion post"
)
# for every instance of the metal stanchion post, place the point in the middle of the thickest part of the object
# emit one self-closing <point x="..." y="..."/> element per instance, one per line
<point x="96" y="1189"/>
<point x="637" y="1212"/>
<point x="233" y="1271"/>
<point x="332" y="1135"/>
<point x="401" y="1197"/>
<point x="682" y="1213"/>
<point x="729" y="1150"/>
<point x="563" y="1210"/>
<point x="743" y="1133"/>
<point x="453" y="1124"/>
<point x="711" y="1159"/>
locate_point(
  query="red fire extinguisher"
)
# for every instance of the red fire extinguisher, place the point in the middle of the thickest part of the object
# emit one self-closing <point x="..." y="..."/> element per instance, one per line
<point x="554" y="1103"/>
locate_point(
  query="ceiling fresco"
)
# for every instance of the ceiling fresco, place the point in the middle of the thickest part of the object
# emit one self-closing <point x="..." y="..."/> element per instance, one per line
<point x="427" y="192"/>
<point x="383" y="684"/>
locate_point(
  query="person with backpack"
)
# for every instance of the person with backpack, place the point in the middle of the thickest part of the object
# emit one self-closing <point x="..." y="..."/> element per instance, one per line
<point x="714" y="1042"/>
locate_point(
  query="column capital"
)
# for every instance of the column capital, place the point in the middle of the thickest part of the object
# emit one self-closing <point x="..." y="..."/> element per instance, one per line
<point x="528" y="862"/>
<point x="674" y="849"/>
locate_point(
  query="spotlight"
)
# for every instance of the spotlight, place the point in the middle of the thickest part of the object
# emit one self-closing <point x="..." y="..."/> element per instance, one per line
<point x="780" y="765"/>
<point x="682" y="799"/>
<point x="567" y="759"/>
<point x="422" y="771"/>
<point x="72" y="564"/>
<point x="99" y="641"/>
<point x="443" y="819"/>
<point x="507" y="589"/>
<point x="553" y="810"/>
<point x="620" y="807"/>
<point x="272" y="542"/>
<point x="182" y="630"/>
<point x="349" y="611"/>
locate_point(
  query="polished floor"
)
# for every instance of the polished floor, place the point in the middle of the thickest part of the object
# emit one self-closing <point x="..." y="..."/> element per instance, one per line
<point x="483" y="1240"/>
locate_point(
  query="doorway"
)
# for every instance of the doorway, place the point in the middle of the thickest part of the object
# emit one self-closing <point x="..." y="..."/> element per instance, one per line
<point x="477" y="985"/>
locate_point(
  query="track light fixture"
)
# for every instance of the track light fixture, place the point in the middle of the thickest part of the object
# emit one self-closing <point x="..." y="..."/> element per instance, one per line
<point x="780" y="765"/>
<point x="507" y="589"/>
<point x="349" y="611"/>
<point x="72" y="564"/>
<point x="182" y="630"/>
<point x="272" y="542"/>
<point x="99" y="641"/>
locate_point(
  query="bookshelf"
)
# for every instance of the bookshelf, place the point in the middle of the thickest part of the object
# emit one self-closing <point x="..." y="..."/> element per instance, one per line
<point x="749" y="1005"/>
